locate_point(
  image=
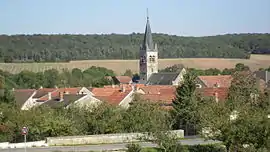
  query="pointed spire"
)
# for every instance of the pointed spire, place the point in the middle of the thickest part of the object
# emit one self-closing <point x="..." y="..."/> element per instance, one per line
<point x="147" y="14"/>
<point x="148" y="41"/>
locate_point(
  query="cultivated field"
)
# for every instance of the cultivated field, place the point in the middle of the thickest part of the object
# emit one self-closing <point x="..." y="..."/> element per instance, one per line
<point x="120" y="66"/>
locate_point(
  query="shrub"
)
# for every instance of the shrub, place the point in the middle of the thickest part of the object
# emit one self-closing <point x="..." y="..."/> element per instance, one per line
<point x="134" y="148"/>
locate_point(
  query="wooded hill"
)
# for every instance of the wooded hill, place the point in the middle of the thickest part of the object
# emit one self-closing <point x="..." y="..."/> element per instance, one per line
<point x="52" y="48"/>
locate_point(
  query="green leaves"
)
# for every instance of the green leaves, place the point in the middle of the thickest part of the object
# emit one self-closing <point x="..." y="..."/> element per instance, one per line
<point x="185" y="105"/>
<point x="250" y="125"/>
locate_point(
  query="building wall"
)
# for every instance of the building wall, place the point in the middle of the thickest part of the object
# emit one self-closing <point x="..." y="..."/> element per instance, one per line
<point x="29" y="103"/>
<point x="85" y="91"/>
<point x="87" y="101"/>
<point x="180" y="77"/>
<point x="128" y="99"/>
<point x="152" y="66"/>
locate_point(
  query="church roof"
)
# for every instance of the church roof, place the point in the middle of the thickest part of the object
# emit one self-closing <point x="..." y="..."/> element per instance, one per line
<point x="162" y="78"/>
<point x="148" y="40"/>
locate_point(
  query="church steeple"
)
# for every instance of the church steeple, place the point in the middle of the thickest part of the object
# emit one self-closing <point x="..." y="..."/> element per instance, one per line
<point x="148" y="44"/>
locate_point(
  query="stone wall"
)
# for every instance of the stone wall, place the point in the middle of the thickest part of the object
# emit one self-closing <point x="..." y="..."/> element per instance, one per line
<point x="7" y="145"/>
<point x="84" y="140"/>
<point x="102" y="139"/>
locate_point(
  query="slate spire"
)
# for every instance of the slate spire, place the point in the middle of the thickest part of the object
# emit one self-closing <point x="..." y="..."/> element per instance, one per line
<point x="148" y="41"/>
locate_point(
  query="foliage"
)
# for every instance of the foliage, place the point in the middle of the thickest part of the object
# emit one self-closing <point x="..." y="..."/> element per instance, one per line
<point x="167" y="142"/>
<point x="44" y="122"/>
<point x="55" y="48"/>
<point x="185" y="104"/>
<point x="174" y="68"/>
<point x="150" y="112"/>
<point x="128" y="72"/>
<point x="210" y="148"/>
<point x="241" y="119"/>
<point x="93" y="76"/>
<point x="134" y="148"/>
<point x="194" y="148"/>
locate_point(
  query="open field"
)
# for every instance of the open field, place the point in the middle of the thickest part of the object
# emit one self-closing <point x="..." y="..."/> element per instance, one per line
<point x="120" y="66"/>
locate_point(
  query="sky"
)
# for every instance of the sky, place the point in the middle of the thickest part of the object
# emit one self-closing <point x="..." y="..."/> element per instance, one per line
<point x="175" y="17"/>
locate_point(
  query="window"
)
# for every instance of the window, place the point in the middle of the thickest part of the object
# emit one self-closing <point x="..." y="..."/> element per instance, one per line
<point x="152" y="58"/>
<point x="152" y="70"/>
<point x="198" y="86"/>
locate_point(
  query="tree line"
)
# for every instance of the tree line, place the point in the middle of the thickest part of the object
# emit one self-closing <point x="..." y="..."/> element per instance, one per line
<point x="59" y="48"/>
<point x="91" y="77"/>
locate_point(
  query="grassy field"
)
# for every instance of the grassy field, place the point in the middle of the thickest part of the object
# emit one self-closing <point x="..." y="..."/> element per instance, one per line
<point x="120" y="66"/>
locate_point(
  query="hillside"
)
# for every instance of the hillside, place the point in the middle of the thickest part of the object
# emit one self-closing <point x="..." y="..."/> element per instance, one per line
<point x="29" y="48"/>
<point x="120" y="66"/>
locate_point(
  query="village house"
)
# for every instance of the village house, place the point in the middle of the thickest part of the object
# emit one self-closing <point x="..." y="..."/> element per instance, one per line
<point x="120" y="79"/>
<point x="215" y="81"/>
<point x="120" y="95"/>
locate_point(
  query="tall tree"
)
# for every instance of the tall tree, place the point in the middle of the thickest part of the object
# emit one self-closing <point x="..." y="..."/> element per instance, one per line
<point x="185" y="105"/>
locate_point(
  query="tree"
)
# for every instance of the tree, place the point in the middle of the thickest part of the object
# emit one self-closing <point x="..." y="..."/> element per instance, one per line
<point x="241" y="67"/>
<point x="144" y="111"/>
<point x="185" y="106"/>
<point x="128" y="72"/>
<point x="241" y="119"/>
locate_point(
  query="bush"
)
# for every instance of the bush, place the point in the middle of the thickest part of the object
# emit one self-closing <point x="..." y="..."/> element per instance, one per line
<point x="134" y="148"/>
<point x="191" y="148"/>
<point x="210" y="148"/>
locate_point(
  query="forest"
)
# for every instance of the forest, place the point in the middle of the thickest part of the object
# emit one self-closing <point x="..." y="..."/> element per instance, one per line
<point x="62" y="48"/>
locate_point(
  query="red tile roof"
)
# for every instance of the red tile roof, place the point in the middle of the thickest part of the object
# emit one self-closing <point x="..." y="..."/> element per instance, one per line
<point x="124" y="79"/>
<point x="111" y="95"/>
<point x="55" y="92"/>
<point x="158" y="89"/>
<point x="222" y="93"/>
<point x="43" y="92"/>
<point x="163" y="98"/>
<point x="70" y="90"/>
<point x="221" y="80"/>
<point x="22" y="95"/>
<point x="158" y="93"/>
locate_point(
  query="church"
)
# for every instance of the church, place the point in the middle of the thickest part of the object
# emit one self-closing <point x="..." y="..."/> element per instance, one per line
<point x="148" y="64"/>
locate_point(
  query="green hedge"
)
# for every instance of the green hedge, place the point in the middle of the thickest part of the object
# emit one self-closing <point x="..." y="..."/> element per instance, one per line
<point x="193" y="148"/>
<point x="206" y="148"/>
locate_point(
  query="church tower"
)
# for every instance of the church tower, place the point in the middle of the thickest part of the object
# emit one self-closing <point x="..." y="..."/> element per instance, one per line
<point x="148" y="55"/>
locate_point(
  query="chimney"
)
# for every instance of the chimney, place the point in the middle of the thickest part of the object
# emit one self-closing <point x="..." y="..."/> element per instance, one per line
<point x="123" y="89"/>
<point x="216" y="96"/>
<point x="49" y="96"/>
<point x="13" y="89"/>
<point x="61" y="96"/>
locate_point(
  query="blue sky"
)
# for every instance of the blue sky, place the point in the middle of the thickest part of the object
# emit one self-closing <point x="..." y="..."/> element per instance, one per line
<point x="177" y="17"/>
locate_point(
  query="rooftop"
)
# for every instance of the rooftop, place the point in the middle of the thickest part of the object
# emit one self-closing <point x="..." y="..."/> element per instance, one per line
<point x="212" y="81"/>
<point x="162" y="78"/>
